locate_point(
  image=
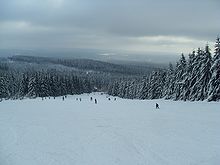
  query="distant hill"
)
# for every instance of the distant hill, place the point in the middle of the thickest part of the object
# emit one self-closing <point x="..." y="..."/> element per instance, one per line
<point x="88" y="65"/>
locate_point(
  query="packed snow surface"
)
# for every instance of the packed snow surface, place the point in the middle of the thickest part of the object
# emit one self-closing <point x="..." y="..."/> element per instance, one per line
<point x="121" y="132"/>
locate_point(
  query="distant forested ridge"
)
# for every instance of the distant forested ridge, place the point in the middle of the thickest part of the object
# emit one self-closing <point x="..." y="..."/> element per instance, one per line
<point x="194" y="78"/>
<point x="88" y="64"/>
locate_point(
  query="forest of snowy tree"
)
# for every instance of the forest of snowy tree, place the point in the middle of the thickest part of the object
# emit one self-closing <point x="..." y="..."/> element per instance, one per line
<point x="33" y="84"/>
<point x="194" y="78"/>
<point x="31" y="77"/>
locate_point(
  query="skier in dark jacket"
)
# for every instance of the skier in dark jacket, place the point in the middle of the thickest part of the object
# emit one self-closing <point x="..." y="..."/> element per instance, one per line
<point x="95" y="101"/>
<point x="157" y="106"/>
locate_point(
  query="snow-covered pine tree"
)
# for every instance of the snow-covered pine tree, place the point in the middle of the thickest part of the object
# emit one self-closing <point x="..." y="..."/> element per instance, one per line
<point x="3" y="87"/>
<point x="132" y="91"/>
<point x="144" y="89"/>
<point x="52" y="84"/>
<point x="74" y="85"/>
<point x="180" y="77"/>
<point x="32" y="87"/>
<point x="189" y="78"/>
<point x="63" y="82"/>
<point x="137" y="89"/>
<point x="58" y="85"/>
<point x="87" y="86"/>
<point x="44" y="90"/>
<point x="68" y="84"/>
<point x="127" y="90"/>
<point x="161" y="83"/>
<point x="23" y="87"/>
<point x="169" y="82"/>
<point x="205" y="74"/>
<point x="11" y="85"/>
<point x="115" y="89"/>
<point x="196" y="75"/>
<point x="110" y="89"/>
<point x="121" y="88"/>
<point x="156" y="84"/>
<point x="214" y="83"/>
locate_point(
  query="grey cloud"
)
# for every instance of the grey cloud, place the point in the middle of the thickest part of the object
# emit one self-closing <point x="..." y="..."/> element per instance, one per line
<point x="89" y="22"/>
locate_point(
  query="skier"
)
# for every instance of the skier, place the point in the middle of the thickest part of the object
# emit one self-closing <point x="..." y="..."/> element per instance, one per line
<point x="157" y="106"/>
<point x="80" y="99"/>
<point x="90" y="98"/>
<point x="95" y="101"/>
<point x="109" y="99"/>
<point x="114" y="99"/>
<point x="63" y="98"/>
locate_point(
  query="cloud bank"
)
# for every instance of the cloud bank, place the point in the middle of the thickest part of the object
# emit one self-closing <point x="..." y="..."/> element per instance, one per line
<point x="144" y="26"/>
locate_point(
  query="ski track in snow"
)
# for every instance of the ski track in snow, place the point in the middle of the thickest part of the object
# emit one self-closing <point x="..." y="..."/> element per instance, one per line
<point x="121" y="132"/>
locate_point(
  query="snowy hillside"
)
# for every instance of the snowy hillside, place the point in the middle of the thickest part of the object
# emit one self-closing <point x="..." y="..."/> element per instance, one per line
<point x="121" y="132"/>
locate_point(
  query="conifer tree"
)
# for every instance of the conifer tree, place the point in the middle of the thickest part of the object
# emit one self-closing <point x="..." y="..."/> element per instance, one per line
<point x="205" y="74"/>
<point x="196" y="75"/>
<point x="3" y="88"/>
<point x="180" y="76"/>
<point x="169" y="82"/>
<point x="32" y="91"/>
<point x="214" y="83"/>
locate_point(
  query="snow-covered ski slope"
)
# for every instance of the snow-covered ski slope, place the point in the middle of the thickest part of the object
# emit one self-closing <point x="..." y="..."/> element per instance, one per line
<point x="121" y="132"/>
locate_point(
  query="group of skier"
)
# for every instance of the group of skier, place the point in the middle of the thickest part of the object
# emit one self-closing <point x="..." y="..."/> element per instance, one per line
<point x="95" y="100"/>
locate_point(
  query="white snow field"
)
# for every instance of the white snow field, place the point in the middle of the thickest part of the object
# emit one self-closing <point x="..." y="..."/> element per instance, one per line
<point x="121" y="132"/>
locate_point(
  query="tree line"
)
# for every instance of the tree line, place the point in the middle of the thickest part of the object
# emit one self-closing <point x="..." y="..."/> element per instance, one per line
<point x="32" y="84"/>
<point x="195" y="78"/>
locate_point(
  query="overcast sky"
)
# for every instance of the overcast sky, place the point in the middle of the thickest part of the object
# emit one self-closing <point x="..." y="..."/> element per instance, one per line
<point x="169" y="26"/>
